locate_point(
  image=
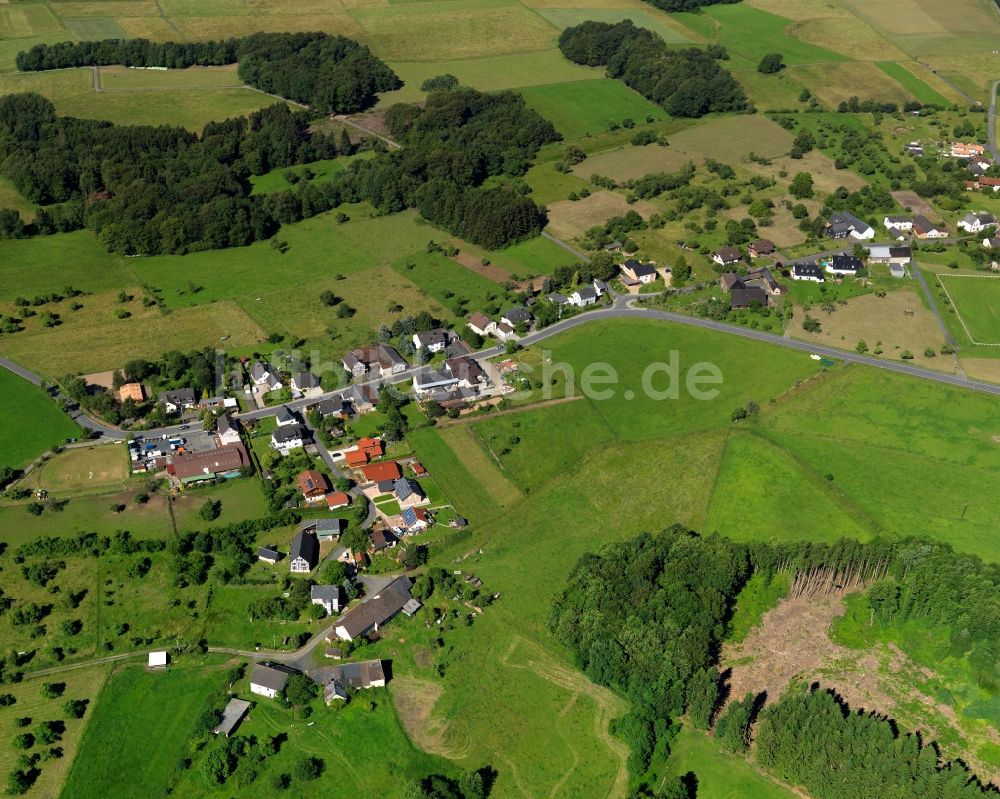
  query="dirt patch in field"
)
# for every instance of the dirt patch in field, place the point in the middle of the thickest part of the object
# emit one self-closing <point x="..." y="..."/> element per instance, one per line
<point x="914" y="203"/>
<point x="792" y="644"/>
<point x="415" y="700"/>
<point x="571" y="218"/>
<point x="489" y="271"/>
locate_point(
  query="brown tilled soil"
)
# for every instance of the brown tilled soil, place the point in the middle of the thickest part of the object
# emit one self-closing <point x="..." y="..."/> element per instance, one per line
<point x="489" y="271"/>
<point x="914" y="202"/>
<point x="792" y="644"/>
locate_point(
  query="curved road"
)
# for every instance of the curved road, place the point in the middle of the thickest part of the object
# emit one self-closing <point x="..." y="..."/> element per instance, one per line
<point x="623" y="308"/>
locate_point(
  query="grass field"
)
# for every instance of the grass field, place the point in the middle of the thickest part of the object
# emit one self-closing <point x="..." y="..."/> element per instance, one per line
<point x="130" y="714"/>
<point x="568" y="17"/>
<point x="80" y="684"/>
<point x="911" y="83"/>
<point x="30" y="423"/>
<point x="87" y="470"/>
<point x="977" y="300"/>
<point x="587" y="107"/>
<point x="727" y="139"/>
<point x="720" y="774"/>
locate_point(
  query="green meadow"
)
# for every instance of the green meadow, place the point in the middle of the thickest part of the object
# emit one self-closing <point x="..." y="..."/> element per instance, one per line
<point x="30" y="422"/>
<point x="587" y="107"/>
<point x="911" y="82"/>
<point x="977" y="300"/>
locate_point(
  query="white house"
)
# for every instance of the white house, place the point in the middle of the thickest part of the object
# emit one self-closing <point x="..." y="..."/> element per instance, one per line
<point x="304" y="554"/>
<point x="227" y="430"/>
<point x="902" y="224"/>
<point x="306" y="384"/>
<point x="844" y="225"/>
<point x="517" y="316"/>
<point x="266" y="681"/>
<point x="977" y="222"/>
<point x="431" y="340"/>
<point x="482" y="325"/>
<point x="284" y="417"/>
<point x="180" y="399"/>
<point x="285" y="439"/>
<point x="327" y="597"/>
<point x="582" y="296"/>
<point x="991" y="242"/>
<point x="844" y="265"/>
<point x="634" y="272"/>
<point x="807" y="272"/>
<point x="264" y="377"/>
<point x="727" y="256"/>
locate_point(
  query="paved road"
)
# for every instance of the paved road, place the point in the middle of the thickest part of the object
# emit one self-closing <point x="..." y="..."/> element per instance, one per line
<point x="991" y="123"/>
<point x="624" y="307"/>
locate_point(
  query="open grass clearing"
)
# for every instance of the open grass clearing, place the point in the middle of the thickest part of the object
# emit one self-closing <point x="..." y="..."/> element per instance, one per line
<point x="571" y="218"/>
<point x="847" y="35"/>
<point x="129" y="715"/>
<point x="749" y="34"/>
<point x="488" y="72"/>
<point x="586" y="107"/>
<point x="976" y="298"/>
<point x="95" y="345"/>
<point x="241" y="499"/>
<point x="833" y="84"/>
<point x="96" y="28"/>
<point x="568" y="17"/>
<point x="30" y="422"/>
<point x="908" y="80"/>
<point x="83" y="683"/>
<point x="242" y="20"/>
<point x="10" y="197"/>
<point x="472" y="483"/>
<point x="106" y="8"/>
<point x="458" y="30"/>
<point x="536" y="446"/>
<point x="826" y="177"/>
<point x="102" y="468"/>
<point x="322" y="171"/>
<point x="727" y="139"/>
<point x="721" y="775"/>
<point x="899" y="320"/>
<point x="21" y="20"/>
<point x="156" y="29"/>
<point x="125" y="79"/>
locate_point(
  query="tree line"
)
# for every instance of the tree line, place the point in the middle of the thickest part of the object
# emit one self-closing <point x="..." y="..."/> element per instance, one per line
<point x="686" y="83"/>
<point x="149" y="190"/>
<point x="646" y="618"/>
<point x="332" y="74"/>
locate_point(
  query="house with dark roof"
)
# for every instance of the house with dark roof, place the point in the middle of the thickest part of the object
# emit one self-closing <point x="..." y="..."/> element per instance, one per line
<point x="327" y="597"/>
<point x="415" y="520"/>
<point x="844" y="265"/>
<point x="269" y="680"/>
<point x="362" y="398"/>
<point x="583" y="296"/>
<point x="760" y="248"/>
<point x="232" y="715"/>
<point x="285" y="439"/>
<point x="844" y="225"/>
<point x="517" y="316"/>
<point x="884" y="254"/>
<point x="284" y="417"/>
<point x="306" y="384"/>
<point x="556" y="298"/>
<point x="380" y="358"/>
<point x="977" y="222"/>
<point x="431" y="340"/>
<point x="227" y="430"/>
<point x="324" y="529"/>
<point x="376" y="611"/>
<point x="408" y="492"/>
<point x="727" y="256"/>
<point x="923" y="228"/>
<point x="177" y="400"/>
<point x="268" y="555"/>
<point x="748" y="297"/>
<point x="635" y="273"/>
<point x="265" y="378"/>
<point x="428" y="381"/>
<point x="304" y="554"/>
<point x="467" y="372"/>
<point x="382" y="539"/>
<point x="807" y="272"/>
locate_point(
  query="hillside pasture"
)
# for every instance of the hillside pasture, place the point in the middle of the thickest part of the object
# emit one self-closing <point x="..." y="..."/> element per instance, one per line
<point x="908" y="80"/>
<point x="30" y="422"/>
<point x="899" y="320"/>
<point x="21" y="20"/>
<point x="96" y="28"/>
<point x="489" y="73"/>
<point x="571" y="218"/>
<point x="847" y="35"/>
<point x="587" y="107"/>
<point x="833" y="84"/>
<point x="85" y="683"/>
<point x="726" y="139"/>
<point x="976" y="298"/>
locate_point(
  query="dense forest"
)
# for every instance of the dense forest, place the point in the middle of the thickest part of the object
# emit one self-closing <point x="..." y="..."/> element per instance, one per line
<point x="686" y="5"/>
<point x="686" y="83"/>
<point x="646" y="618"/>
<point x="331" y="74"/>
<point x="148" y="190"/>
